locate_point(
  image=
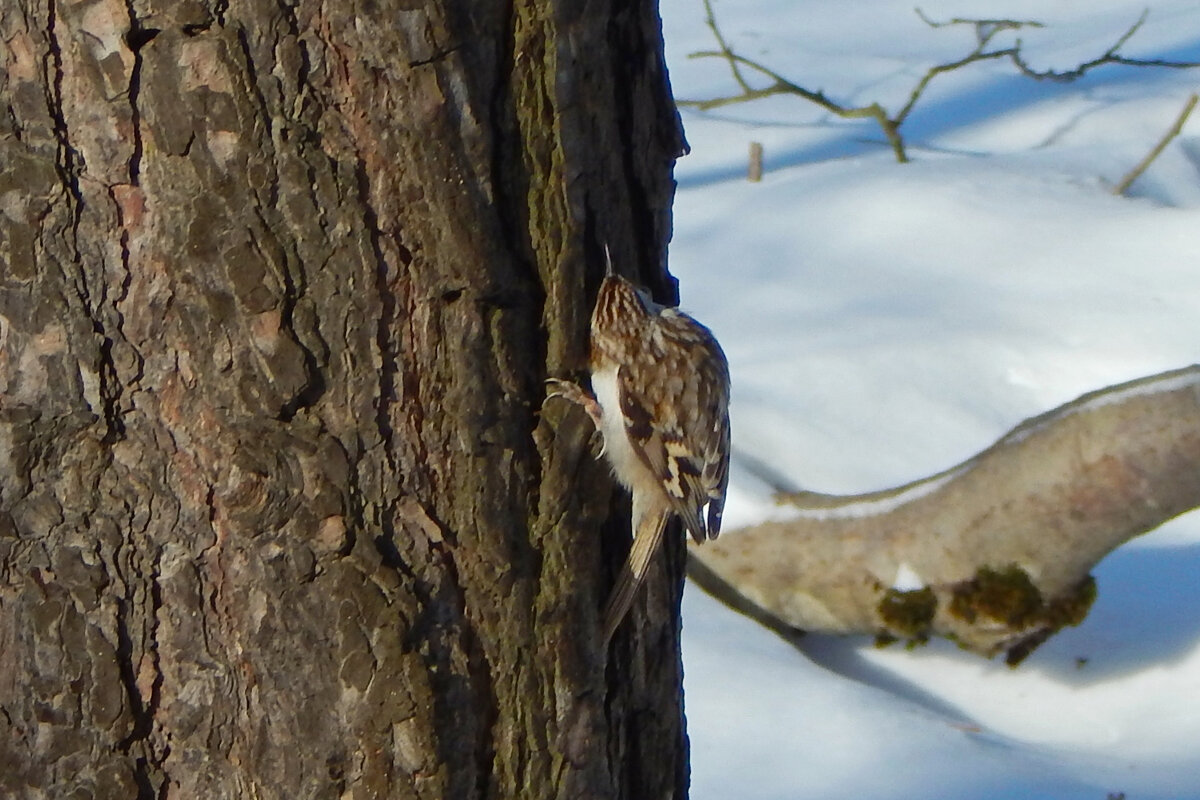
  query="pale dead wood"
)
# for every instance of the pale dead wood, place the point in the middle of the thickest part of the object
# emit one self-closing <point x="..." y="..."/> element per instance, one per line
<point x="1001" y="544"/>
<point x="754" y="171"/>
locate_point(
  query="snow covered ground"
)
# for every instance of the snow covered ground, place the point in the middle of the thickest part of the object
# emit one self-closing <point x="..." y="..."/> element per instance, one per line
<point x="885" y="321"/>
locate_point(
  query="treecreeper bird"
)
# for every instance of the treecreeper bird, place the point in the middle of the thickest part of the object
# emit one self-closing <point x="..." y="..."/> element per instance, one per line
<point x="661" y="402"/>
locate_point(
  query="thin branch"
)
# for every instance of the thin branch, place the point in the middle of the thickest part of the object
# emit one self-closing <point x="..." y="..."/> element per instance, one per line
<point x="711" y="20"/>
<point x="1145" y="163"/>
<point x="933" y="72"/>
<point x="985" y="31"/>
<point x="1110" y="56"/>
<point x="781" y="85"/>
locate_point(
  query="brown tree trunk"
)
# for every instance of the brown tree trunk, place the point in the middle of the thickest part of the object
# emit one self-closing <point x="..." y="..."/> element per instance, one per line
<point x="279" y="515"/>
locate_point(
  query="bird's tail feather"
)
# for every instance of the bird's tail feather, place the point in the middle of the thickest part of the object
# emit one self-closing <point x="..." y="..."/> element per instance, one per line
<point x="645" y="543"/>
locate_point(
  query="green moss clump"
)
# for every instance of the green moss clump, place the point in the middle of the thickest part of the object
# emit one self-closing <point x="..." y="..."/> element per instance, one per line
<point x="1072" y="609"/>
<point x="1006" y="595"/>
<point x="1010" y="597"/>
<point x="907" y="614"/>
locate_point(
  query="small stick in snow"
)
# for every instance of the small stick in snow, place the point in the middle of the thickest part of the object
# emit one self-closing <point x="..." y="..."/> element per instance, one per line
<point x="755" y="171"/>
<point x="1145" y="163"/>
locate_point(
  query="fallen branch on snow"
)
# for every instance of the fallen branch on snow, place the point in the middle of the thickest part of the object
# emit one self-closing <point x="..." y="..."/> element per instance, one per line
<point x="994" y="553"/>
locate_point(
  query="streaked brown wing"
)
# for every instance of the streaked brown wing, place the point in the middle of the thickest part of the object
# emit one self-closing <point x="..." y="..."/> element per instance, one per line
<point x="661" y="447"/>
<point x="704" y="421"/>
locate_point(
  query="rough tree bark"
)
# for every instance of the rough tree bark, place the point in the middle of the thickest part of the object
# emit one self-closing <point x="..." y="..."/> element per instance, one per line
<point x="279" y="516"/>
<point x="993" y="553"/>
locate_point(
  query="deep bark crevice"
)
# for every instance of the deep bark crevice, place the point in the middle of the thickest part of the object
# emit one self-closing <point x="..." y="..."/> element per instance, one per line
<point x="67" y="162"/>
<point x="137" y="38"/>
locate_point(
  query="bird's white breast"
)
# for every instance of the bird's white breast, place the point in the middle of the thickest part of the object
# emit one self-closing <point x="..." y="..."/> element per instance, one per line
<point x="626" y="465"/>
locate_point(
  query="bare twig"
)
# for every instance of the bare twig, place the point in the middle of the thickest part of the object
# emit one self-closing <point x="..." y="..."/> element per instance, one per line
<point x="984" y="28"/>
<point x="1135" y="173"/>
<point x="711" y="20"/>
<point x="781" y="85"/>
<point x="985" y="32"/>
<point x="1110" y="56"/>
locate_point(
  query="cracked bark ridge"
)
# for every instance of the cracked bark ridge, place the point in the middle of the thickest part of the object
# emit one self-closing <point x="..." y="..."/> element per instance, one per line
<point x="278" y="514"/>
<point x="994" y="553"/>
